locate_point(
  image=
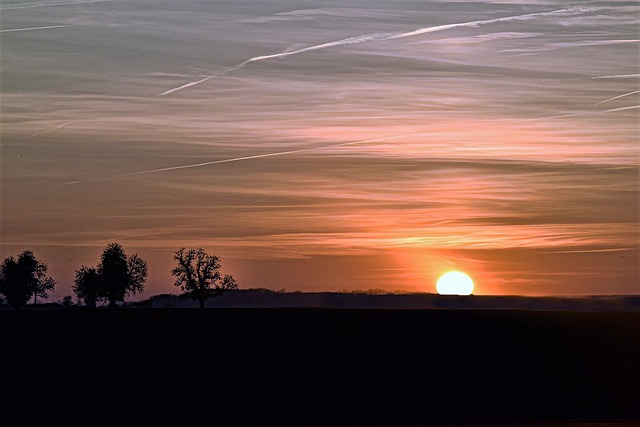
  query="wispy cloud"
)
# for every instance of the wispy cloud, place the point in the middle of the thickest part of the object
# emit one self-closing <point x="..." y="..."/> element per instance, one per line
<point x="415" y="153"/>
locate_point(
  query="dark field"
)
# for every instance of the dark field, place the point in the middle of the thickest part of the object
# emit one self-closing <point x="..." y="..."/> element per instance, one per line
<point x="317" y="366"/>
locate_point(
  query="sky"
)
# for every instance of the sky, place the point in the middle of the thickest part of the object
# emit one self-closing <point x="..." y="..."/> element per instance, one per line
<point x="324" y="145"/>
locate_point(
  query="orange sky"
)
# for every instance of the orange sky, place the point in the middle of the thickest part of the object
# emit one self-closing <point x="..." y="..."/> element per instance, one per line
<point x="333" y="148"/>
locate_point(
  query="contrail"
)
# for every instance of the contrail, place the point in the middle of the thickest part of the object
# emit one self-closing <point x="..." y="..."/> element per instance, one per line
<point x="47" y="187"/>
<point x="184" y="86"/>
<point x="33" y="28"/>
<point x="387" y="36"/>
<point x="50" y="130"/>
<point x="216" y="162"/>
<point x="350" y="40"/>
<point x="590" y="251"/>
<point x="560" y="12"/>
<point x="260" y="156"/>
<point x="617" y="76"/>
<point x="46" y="4"/>
<point x="633" y="107"/>
<point x="618" y="97"/>
<point x="228" y="70"/>
<point x="586" y="113"/>
<point x="251" y="203"/>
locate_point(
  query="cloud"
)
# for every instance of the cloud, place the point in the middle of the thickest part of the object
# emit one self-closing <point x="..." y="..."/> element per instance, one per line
<point x="272" y="163"/>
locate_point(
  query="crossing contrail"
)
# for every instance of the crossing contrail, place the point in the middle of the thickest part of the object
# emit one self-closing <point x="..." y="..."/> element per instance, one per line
<point x="386" y="36"/>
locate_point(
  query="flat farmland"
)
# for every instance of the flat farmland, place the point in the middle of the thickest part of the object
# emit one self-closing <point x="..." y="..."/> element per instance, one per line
<point x="318" y="366"/>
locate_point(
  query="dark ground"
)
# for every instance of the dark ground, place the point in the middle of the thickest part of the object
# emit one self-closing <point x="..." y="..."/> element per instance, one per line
<point x="317" y="366"/>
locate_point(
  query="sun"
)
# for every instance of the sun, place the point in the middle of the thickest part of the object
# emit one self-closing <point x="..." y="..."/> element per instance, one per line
<point x="454" y="283"/>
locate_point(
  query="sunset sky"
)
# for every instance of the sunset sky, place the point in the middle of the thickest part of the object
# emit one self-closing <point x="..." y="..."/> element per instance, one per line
<point x="324" y="145"/>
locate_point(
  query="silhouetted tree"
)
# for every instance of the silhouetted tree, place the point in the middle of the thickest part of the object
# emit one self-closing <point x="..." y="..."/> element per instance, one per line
<point x="67" y="301"/>
<point x="120" y="276"/>
<point x="25" y="277"/>
<point x="87" y="285"/>
<point x="198" y="274"/>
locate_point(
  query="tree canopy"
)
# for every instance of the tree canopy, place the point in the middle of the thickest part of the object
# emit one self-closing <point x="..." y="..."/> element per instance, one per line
<point x="116" y="277"/>
<point x="198" y="274"/>
<point x="87" y="285"/>
<point x="120" y="275"/>
<point x="24" y="277"/>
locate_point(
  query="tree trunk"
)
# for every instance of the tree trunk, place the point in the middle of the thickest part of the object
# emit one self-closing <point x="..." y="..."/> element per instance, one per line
<point x="201" y="301"/>
<point x="112" y="303"/>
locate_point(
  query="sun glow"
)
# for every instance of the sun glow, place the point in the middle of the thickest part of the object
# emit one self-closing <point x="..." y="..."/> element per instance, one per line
<point x="454" y="283"/>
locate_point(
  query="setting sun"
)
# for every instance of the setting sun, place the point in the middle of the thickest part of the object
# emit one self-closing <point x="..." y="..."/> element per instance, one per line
<point x="454" y="283"/>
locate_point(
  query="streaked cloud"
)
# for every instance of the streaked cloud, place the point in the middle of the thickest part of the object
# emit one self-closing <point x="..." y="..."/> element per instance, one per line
<point x="385" y="36"/>
<point x="392" y="142"/>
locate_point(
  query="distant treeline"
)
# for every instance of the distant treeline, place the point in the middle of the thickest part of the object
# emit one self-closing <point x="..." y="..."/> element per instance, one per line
<point x="260" y="298"/>
<point x="116" y="277"/>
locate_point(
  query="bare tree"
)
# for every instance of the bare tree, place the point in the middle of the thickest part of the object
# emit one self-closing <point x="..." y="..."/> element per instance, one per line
<point x="198" y="274"/>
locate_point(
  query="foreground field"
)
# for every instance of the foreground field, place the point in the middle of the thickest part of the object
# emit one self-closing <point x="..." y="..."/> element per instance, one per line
<point x="317" y="366"/>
